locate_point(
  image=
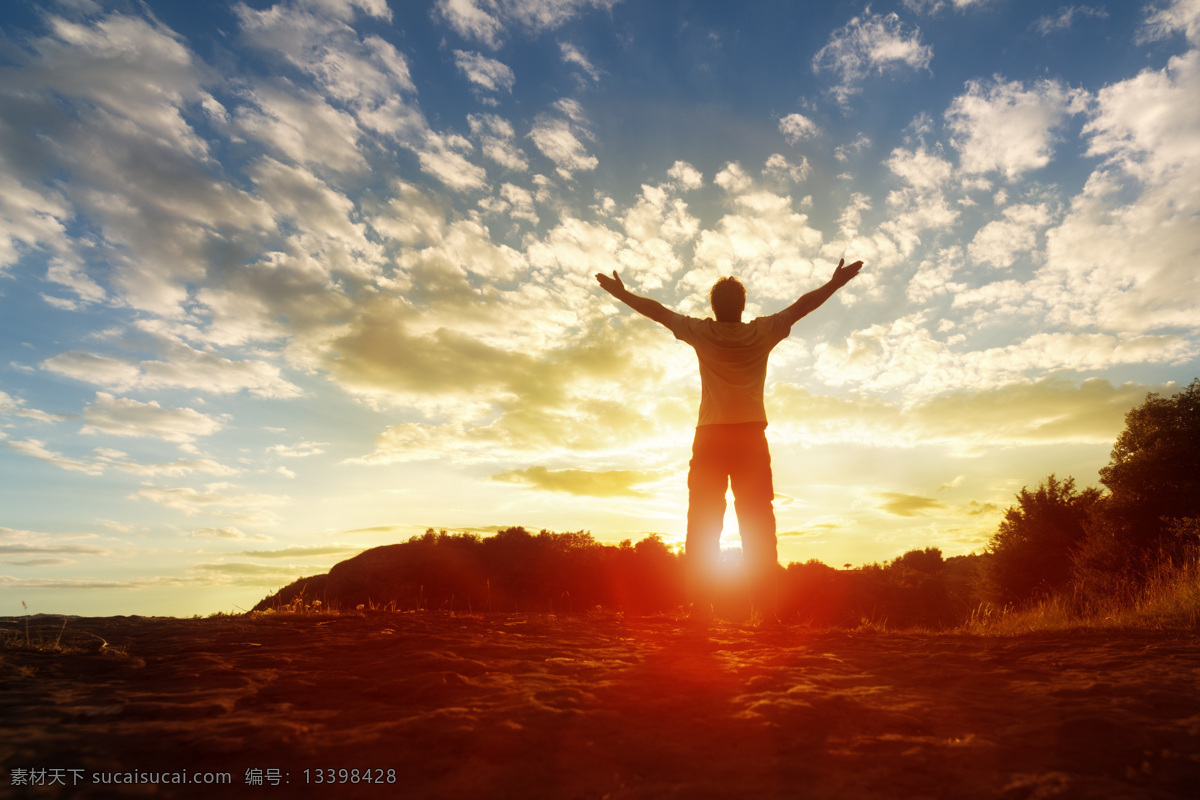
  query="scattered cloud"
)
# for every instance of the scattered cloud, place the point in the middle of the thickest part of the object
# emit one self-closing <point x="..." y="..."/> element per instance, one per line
<point x="485" y="74"/>
<point x="1066" y="17"/>
<point x="27" y="548"/>
<point x="303" y="551"/>
<point x="122" y="416"/>
<point x="953" y="484"/>
<point x="843" y="152"/>
<point x="907" y="505"/>
<point x="36" y="448"/>
<point x="797" y="127"/>
<point x="14" y="407"/>
<point x="872" y="43"/>
<point x="1002" y="126"/>
<point x="558" y="136"/>
<point x="489" y="22"/>
<point x="1173" y="16"/>
<point x="228" y="533"/>
<point x="779" y="168"/>
<point x="215" y="499"/>
<point x="299" y="450"/>
<point x="613" y="483"/>
<point x="934" y="6"/>
<point x="498" y="141"/>
<point x="187" y="368"/>
<point x="573" y="56"/>
<point x="1001" y="241"/>
<point x="1046" y="411"/>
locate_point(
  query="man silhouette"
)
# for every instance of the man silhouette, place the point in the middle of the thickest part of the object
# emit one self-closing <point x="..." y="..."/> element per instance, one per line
<point x="730" y="445"/>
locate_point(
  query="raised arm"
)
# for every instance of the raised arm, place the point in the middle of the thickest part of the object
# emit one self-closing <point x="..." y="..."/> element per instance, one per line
<point x="643" y="305"/>
<point x="811" y="301"/>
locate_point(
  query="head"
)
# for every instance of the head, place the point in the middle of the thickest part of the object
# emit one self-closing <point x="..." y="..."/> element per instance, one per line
<point x="728" y="298"/>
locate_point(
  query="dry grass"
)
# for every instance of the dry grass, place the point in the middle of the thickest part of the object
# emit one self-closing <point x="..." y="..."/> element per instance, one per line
<point x="45" y="636"/>
<point x="1168" y="600"/>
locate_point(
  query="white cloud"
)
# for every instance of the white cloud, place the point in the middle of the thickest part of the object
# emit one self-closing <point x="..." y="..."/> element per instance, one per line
<point x="873" y="43"/>
<point x="1001" y="241"/>
<point x="33" y="548"/>
<point x="36" y="448"/>
<point x="520" y="203"/>
<point x="1175" y="15"/>
<point x="934" y="6"/>
<point x="573" y="55"/>
<point x="229" y="533"/>
<point x="486" y="74"/>
<point x="921" y="203"/>
<point x="122" y="416"/>
<point x="441" y="156"/>
<point x="797" y="127"/>
<point x="1044" y="411"/>
<point x="488" y="21"/>
<point x="15" y="407"/>
<point x="498" y="141"/>
<point x="29" y="219"/>
<point x="558" y="137"/>
<point x="187" y="369"/>
<point x="934" y="275"/>
<point x="1004" y="127"/>
<point x="299" y="126"/>
<point x="1122" y="259"/>
<point x="473" y="19"/>
<point x="363" y="72"/>
<point x="115" y="459"/>
<point x="684" y="176"/>
<point x="843" y="152"/>
<point x="905" y="355"/>
<point x="779" y="168"/>
<point x="1142" y="125"/>
<point x="301" y="450"/>
<point x="249" y="508"/>
<point x="131" y="68"/>
<point x="1065" y="17"/>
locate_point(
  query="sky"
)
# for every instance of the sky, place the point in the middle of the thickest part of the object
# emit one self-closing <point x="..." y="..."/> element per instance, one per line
<point x="280" y="282"/>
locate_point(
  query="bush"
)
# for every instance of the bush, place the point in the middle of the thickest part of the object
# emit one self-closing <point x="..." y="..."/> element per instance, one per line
<point x="1031" y="553"/>
<point x="1154" y="475"/>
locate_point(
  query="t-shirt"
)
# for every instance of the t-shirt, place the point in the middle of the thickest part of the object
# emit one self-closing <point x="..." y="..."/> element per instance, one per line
<point x="733" y="364"/>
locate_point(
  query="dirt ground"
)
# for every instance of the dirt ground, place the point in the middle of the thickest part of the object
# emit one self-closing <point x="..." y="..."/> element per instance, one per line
<point x="430" y="705"/>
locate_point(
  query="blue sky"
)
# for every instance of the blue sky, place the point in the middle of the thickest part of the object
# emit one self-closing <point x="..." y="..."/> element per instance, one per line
<point x="281" y="282"/>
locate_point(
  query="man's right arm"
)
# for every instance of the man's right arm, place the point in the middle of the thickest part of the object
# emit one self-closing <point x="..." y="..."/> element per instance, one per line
<point x="643" y="305"/>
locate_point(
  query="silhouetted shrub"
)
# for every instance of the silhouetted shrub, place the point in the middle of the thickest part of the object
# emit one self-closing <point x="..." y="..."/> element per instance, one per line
<point x="513" y="570"/>
<point x="1153" y="475"/>
<point x="1031" y="553"/>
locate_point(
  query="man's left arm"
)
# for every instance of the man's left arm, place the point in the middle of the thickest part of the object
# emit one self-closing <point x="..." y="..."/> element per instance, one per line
<point x="810" y="302"/>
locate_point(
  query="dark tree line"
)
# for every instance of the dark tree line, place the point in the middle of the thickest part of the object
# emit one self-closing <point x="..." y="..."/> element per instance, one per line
<point x="516" y="570"/>
<point x="1099" y="544"/>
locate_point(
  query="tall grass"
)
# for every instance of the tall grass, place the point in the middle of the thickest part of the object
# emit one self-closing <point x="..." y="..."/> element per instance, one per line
<point x="1167" y="598"/>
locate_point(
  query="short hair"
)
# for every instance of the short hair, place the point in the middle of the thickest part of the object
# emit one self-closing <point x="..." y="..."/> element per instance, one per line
<point x="728" y="298"/>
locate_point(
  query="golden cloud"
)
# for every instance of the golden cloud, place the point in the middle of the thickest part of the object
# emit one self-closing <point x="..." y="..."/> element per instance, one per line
<point x="613" y="483"/>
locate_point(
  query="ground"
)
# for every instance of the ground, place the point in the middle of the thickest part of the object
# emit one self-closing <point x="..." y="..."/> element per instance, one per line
<point x="542" y="706"/>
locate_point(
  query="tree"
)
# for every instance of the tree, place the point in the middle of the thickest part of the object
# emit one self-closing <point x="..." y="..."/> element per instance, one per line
<point x="1154" y="471"/>
<point x="1030" y="553"/>
<point x="928" y="561"/>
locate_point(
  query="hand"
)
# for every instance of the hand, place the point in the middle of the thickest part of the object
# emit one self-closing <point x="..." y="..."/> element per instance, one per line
<point x="611" y="285"/>
<point x="842" y="275"/>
